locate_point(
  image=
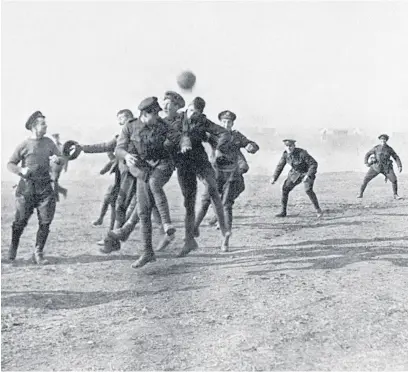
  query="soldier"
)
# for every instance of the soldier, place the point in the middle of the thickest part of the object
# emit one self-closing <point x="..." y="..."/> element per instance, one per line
<point x="172" y="102"/>
<point x="304" y="168"/>
<point x="193" y="162"/>
<point x="229" y="168"/>
<point x="34" y="191"/>
<point x="144" y="145"/>
<point x="382" y="164"/>
<point x="113" y="166"/>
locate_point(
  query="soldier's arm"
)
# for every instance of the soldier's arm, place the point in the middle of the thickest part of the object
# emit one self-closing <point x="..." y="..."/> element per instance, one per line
<point x="312" y="164"/>
<point x="173" y="136"/>
<point x="396" y="158"/>
<point x="56" y="155"/>
<point x="99" y="148"/>
<point x="211" y="127"/>
<point x="279" y="167"/>
<point x="14" y="160"/>
<point x="123" y="142"/>
<point x="371" y="152"/>
<point x="244" y="142"/>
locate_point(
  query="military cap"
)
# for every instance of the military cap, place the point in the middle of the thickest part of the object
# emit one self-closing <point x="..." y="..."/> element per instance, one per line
<point x="227" y="115"/>
<point x="175" y="97"/>
<point x="199" y="104"/>
<point x="288" y="142"/>
<point x="149" y="104"/>
<point x="31" y="120"/>
<point x="385" y="136"/>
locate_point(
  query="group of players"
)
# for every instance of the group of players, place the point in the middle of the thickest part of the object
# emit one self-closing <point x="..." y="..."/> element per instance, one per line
<point x="143" y="158"/>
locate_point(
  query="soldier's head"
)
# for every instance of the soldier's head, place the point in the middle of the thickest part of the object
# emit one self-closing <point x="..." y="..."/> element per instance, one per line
<point x="383" y="139"/>
<point x="172" y="102"/>
<point x="196" y="107"/>
<point x="36" y="124"/>
<point x="124" y="116"/>
<point x="227" y="119"/>
<point x="149" y="110"/>
<point x="290" y="145"/>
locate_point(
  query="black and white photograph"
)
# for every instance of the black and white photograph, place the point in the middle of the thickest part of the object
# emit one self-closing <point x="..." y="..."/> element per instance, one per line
<point x="204" y="185"/>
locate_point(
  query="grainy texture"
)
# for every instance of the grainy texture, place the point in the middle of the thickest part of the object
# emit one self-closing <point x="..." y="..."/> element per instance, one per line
<point x="296" y="293"/>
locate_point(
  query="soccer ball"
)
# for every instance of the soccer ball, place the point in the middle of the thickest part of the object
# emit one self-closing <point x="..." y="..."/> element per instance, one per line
<point x="186" y="80"/>
<point x="372" y="159"/>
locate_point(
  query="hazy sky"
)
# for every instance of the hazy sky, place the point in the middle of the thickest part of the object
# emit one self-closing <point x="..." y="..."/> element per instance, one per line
<point x="277" y="64"/>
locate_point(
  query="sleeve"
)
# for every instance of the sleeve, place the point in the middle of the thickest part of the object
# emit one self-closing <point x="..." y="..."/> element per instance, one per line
<point x="371" y="152"/>
<point x="123" y="142"/>
<point x="311" y="164"/>
<point x="244" y="142"/>
<point x="15" y="158"/>
<point x="279" y="167"/>
<point x="396" y="158"/>
<point x="100" y="147"/>
<point x="213" y="128"/>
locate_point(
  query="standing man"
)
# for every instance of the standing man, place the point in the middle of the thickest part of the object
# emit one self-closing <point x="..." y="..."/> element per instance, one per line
<point x="304" y="169"/>
<point x="229" y="170"/>
<point x="382" y="163"/>
<point x="118" y="169"/>
<point x="144" y="145"/>
<point x="192" y="162"/>
<point x="34" y="191"/>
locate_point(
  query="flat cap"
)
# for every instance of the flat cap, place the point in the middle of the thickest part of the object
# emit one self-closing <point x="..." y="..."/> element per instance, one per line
<point x="175" y="97"/>
<point x="149" y="104"/>
<point x="288" y="142"/>
<point x="227" y="115"/>
<point x="385" y="136"/>
<point x="33" y="118"/>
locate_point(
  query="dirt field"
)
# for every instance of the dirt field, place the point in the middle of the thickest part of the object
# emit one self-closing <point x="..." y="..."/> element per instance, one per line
<point x="293" y="294"/>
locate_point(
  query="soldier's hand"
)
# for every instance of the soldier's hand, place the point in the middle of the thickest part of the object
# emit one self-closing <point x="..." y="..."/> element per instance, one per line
<point x="184" y="149"/>
<point x="24" y="171"/>
<point x="272" y="181"/>
<point x="250" y="148"/>
<point x="306" y="179"/>
<point x="130" y="159"/>
<point x="54" y="159"/>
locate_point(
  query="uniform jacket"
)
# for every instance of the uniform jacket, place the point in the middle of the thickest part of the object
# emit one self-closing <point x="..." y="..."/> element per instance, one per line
<point x="383" y="156"/>
<point x="302" y="164"/>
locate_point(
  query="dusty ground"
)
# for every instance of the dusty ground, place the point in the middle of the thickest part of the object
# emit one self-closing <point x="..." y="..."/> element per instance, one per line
<point x="298" y="294"/>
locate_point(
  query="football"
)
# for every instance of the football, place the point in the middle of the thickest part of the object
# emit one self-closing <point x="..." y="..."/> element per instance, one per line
<point x="186" y="80"/>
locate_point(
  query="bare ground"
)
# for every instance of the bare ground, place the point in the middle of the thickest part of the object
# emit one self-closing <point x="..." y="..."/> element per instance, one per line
<point x="293" y="294"/>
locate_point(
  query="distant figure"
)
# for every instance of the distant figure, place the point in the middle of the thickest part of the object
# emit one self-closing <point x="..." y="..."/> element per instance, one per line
<point x="56" y="169"/>
<point x="378" y="160"/>
<point x="304" y="168"/>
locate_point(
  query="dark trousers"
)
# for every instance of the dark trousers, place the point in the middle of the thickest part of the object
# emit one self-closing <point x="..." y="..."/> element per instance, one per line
<point x="187" y="174"/>
<point x="149" y="194"/>
<point x="374" y="171"/>
<point x="110" y="199"/>
<point x="32" y="195"/>
<point x="291" y="183"/>
<point x="127" y="190"/>
<point x="229" y="186"/>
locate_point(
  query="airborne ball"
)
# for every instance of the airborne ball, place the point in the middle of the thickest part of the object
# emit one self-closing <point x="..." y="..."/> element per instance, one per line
<point x="186" y="80"/>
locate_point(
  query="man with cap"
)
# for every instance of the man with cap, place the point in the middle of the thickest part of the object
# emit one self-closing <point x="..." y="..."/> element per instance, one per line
<point x="120" y="192"/>
<point x="192" y="162"/>
<point x="172" y="102"/>
<point x="304" y="169"/>
<point x="382" y="163"/>
<point x="145" y="145"/>
<point x="229" y="169"/>
<point x="34" y="191"/>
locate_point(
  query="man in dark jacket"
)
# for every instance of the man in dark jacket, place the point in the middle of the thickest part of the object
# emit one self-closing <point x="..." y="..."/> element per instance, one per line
<point x="381" y="163"/>
<point x="304" y="168"/>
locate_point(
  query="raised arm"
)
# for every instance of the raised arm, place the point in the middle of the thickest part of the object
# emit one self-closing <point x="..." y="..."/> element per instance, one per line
<point x="100" y="147"/>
